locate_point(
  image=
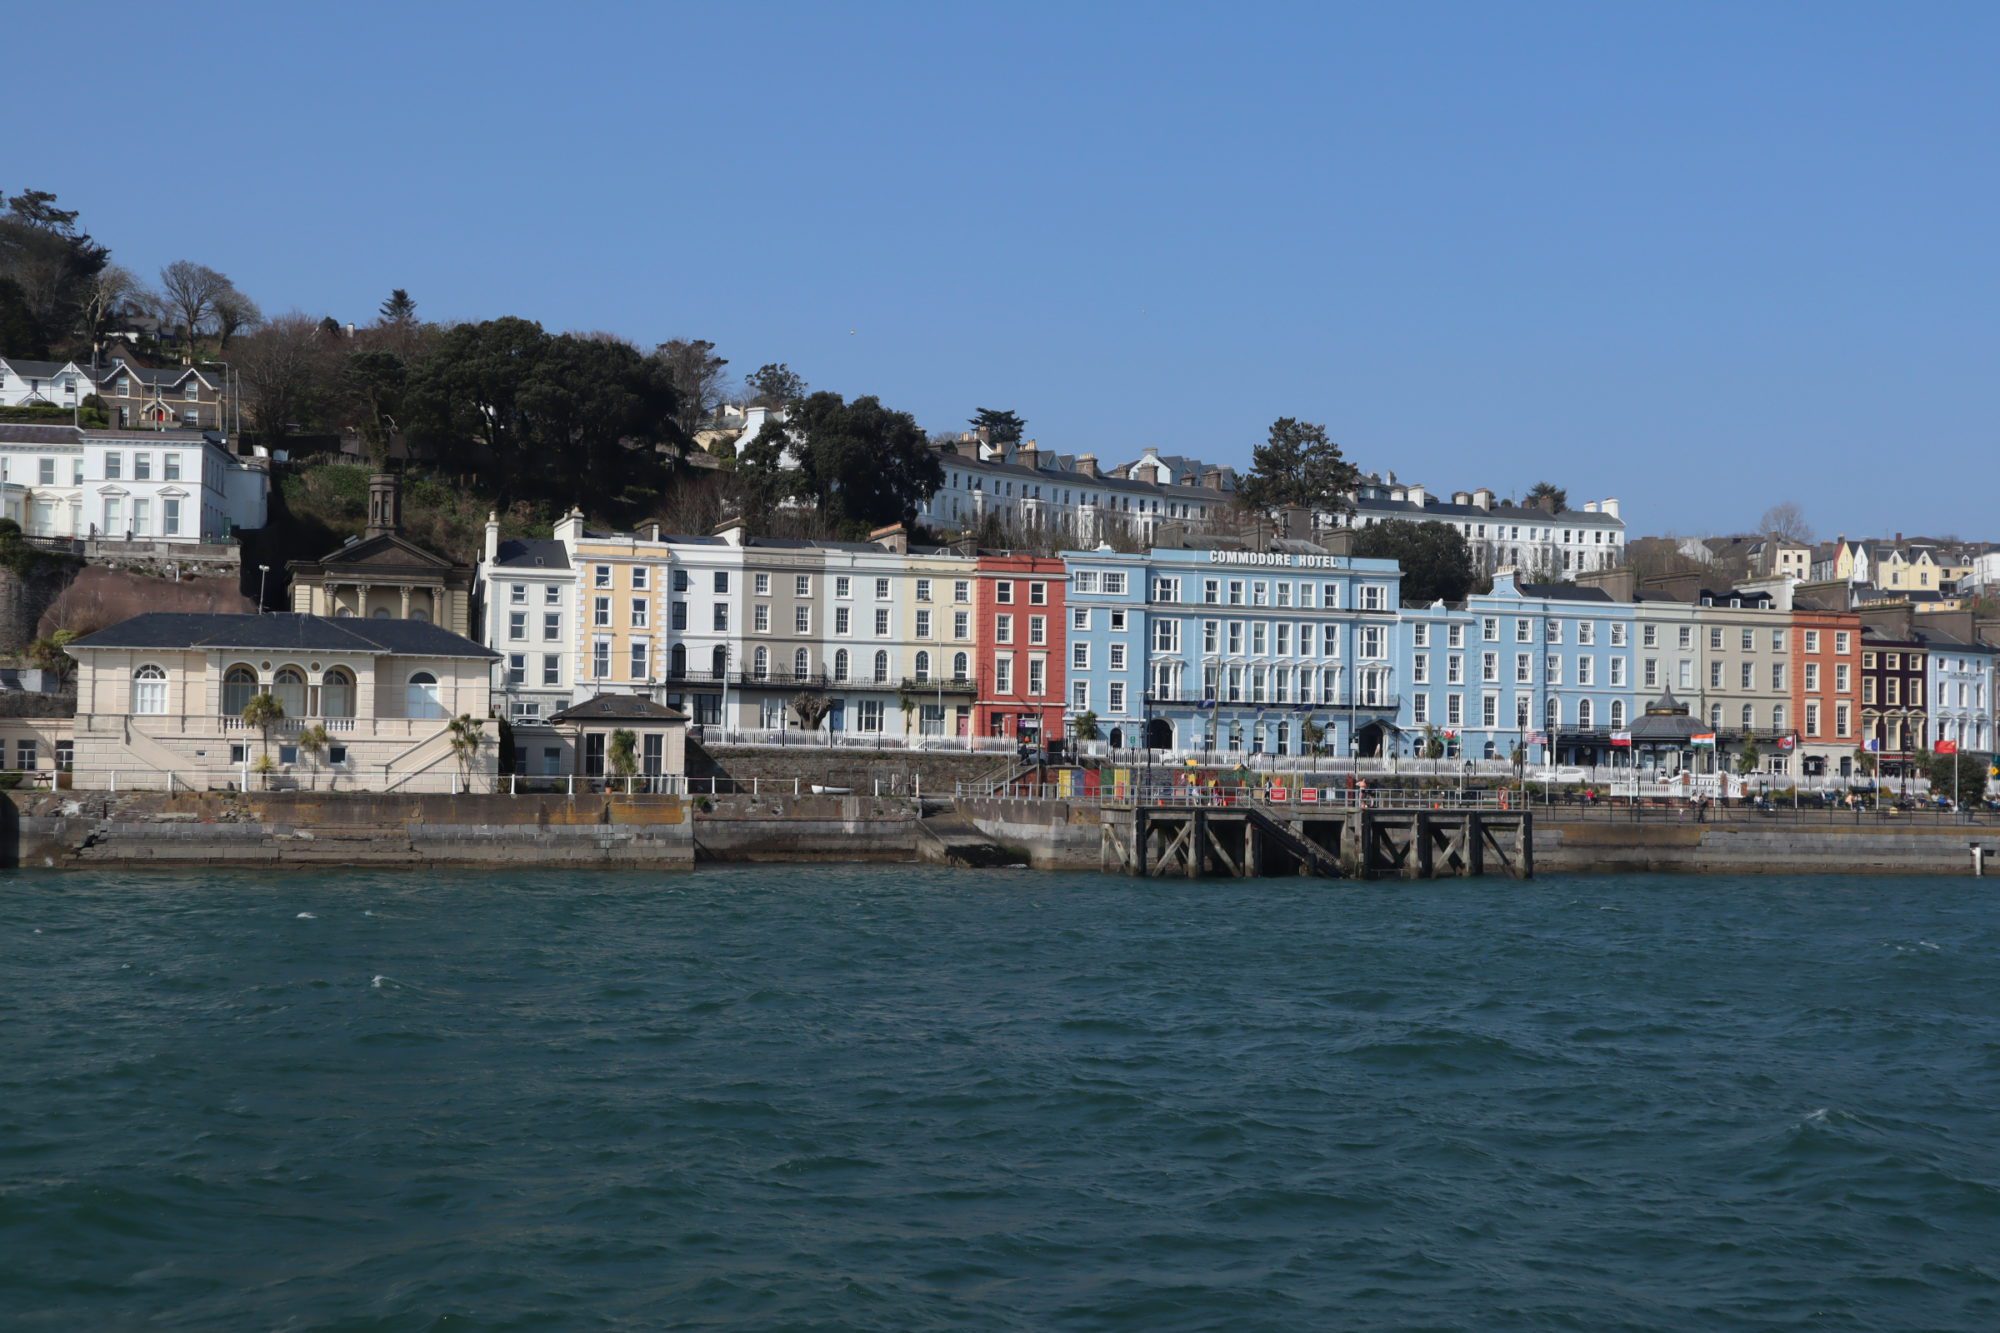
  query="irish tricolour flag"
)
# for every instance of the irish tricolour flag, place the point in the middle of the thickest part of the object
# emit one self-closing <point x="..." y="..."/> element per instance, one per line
<point x="1702" y="738"/>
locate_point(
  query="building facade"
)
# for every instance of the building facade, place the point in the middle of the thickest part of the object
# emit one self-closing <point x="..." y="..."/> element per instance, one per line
<point x="161" y="697"/>
<point x="1826" y="690"/>
<point x="1022" y="609"/>
<point x="1235" y="652"/>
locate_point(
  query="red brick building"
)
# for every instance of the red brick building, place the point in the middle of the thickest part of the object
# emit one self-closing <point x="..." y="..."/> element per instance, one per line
<point x="1021" y="608"/>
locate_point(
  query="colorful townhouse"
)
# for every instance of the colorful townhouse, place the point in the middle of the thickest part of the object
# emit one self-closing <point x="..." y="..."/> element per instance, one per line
<point x="1542" y="671"/>
<point x="1826" y="689"/>
<point x="1022" y="605"/>
<point x="1961" y="688"/>
<point x="1894" y="693"/>
<point x="1278" y="652"/>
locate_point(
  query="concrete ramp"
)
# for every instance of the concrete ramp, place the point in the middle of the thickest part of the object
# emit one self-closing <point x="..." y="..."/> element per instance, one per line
<point x="948" y="839"/>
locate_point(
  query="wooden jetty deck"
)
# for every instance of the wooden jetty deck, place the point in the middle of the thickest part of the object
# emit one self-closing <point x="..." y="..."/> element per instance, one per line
<point x="1252" y="840"/>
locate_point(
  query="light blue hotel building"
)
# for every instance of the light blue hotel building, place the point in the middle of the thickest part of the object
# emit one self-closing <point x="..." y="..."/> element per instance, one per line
<point x="1524" y="661"/>
<point x="1235" y="652"/>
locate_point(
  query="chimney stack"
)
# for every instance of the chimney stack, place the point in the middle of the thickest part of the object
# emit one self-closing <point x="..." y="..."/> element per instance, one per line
<point x="1086" y="464"/>
<point x="492" y="536"/>
<point x="893" y="537"/>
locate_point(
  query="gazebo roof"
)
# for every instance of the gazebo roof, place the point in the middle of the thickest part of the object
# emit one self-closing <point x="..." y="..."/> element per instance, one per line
<point x="1665" y="722"/>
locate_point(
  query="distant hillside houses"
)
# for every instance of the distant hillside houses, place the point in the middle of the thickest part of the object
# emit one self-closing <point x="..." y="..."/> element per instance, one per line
<point x="1913" y="565"/>
<point x="135" y="396"/>
<point x="1033" y="489"/>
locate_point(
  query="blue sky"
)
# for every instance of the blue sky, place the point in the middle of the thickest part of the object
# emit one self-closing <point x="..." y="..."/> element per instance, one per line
<point x="1701" y="257"/>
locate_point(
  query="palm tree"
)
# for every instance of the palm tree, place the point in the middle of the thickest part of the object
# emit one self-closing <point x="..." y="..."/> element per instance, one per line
<point x="264" y="712"/>
<point x="312" y="742"/>
<point x="1084" y="727"/>
<point x="468" y="733"/>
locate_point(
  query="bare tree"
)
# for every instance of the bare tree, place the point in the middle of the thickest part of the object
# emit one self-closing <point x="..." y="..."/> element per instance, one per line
<point x="289" y="372"/>
<point x="111" y="290"/>
<point x="188" y="293"/>
<point x="234" y="312"/>
<point x="1786" y="520"/>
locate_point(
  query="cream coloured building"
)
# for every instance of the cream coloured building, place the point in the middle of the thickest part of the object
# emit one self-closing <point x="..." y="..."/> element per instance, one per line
<point x="160" y="699"/>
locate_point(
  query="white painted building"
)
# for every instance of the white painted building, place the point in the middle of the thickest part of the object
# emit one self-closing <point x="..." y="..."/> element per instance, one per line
<point x="526" y="594"/>
<point x="43" y="383"/>
<point x="116" y="485"/>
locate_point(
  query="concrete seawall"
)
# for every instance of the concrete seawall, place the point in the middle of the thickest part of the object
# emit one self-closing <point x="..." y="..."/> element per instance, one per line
<point x="149" y="828"/>
<point x="66" y="829"/>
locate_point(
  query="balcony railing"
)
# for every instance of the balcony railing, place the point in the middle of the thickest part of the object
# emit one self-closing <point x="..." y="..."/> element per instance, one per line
<point x="940" y="684"/>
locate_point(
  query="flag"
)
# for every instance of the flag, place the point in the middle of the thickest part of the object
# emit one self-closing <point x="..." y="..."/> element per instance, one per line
<point x="1947" y="747"/>
<point x="1787" y="742"/>
<point x="1621" y="739"/>
<point x="1702" y="738"/>
<point x="1536" y="738"/>
<point x="1874" y="744"/>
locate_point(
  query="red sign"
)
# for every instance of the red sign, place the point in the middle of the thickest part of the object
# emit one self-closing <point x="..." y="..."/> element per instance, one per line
<point x="1309" y="795"/>
<point x="1276" y="793"/>
<point x="1947" y="747"/>
<point x="1786" y="742"/>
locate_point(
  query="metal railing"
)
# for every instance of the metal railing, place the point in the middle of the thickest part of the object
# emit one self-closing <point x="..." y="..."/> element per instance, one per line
<point x="710" y="734"/>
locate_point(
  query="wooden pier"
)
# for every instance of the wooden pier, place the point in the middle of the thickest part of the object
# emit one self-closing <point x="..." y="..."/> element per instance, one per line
<point x="1249" y="841"/>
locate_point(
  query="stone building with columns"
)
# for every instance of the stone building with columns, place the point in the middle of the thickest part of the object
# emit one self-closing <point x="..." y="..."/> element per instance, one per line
<point x="383" y="575"/>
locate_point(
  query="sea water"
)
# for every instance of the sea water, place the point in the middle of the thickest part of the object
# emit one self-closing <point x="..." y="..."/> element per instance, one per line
<point x="902" y="1098"/>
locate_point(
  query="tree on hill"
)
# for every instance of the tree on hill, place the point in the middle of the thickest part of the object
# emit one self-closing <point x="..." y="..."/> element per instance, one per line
<point x="1548" y="490"/>
<point x="1298" y="467"/>
<point x="861" y="463"/>
<point x="234" y="312"/>
<point x="47" y="264"/>
<point x="399" y="309"/>
<point x="1437" y="563"/>
<point x="774" y="385"/>
<point x="697" y="374"/>
<point x="1786" y="519"/>
<point x="289" y="374"/>
<point x="1001" y="427"/>
<point x="556" y="419"/>
<point x="188" y="293"/>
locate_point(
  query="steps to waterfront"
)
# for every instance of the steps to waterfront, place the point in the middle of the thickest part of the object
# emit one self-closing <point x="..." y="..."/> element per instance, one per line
<point x="949" y="839"/>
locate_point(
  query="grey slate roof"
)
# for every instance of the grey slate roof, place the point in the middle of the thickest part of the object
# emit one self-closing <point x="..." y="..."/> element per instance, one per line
<point x="40" y="370"/>
<point x="12" y="432"/>
<point x="1564" y="592"/>
<point x="538" y="553"/>
<point x="288" y="632"/>
<point x="618" y="708"/>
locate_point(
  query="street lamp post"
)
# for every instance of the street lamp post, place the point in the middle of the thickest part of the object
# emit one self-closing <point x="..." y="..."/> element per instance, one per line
<point x="263" y="573"/>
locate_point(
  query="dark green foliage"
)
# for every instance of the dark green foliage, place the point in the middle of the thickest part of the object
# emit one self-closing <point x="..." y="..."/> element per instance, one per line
<point x="774" y="385"/>
<point x="861" y="463"/>
<point x="46" y="266"/>
<point x="1437" y="563"/>
<point x="1001" y="427"/>
<point x="399" y="308"/>
<point x="550" y="418"/>
<point x="1971" y="769"/>
<point x="1548" y="490"/>
<point x="1298" y="467"/>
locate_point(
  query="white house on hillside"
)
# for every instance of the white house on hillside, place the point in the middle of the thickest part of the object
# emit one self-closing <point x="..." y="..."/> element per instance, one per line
<point x="117" y="485"/>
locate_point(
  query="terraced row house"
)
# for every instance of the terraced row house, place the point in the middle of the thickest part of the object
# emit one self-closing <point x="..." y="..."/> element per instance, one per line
<point x="1287" y="651"/>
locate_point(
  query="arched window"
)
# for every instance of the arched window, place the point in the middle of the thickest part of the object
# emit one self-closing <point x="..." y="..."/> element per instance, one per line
<point x="881" y="666"/>
<point x="149" y="689"/>
<point x="381" y="613"/>
<point x="289" y="687"/>
<point x="1584" y="714"/>
<point x="840" y="665"/>
<point x="420" y="615"/>
<point x="719" y="661"/>
<point x="801" y="664"/>
<point x="923" y="666"/>
<point x="961" y="667"/>
<point x="239" y="687"/>
<point x="336" y="693"/>
<point x="422" y="696"/>
<point x="1618" y="715"/>
<point x="1715" y="715"/>
<point x="1777" y="717"/>
<point x="762" y="663"/>
<point x="677" y="662"/>
<point x="1749" y="716"/>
